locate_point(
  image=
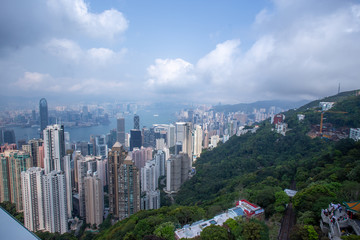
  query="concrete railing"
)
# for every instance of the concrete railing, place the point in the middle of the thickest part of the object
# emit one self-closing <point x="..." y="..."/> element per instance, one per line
<point x="354" y="225"/>
<point x="344" y="223"/>
<point x="335" y="230"/>
<point x="325" y="218"/>
<point x="324" y="227"/>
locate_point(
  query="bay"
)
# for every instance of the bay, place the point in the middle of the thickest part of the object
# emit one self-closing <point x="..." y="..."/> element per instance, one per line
<point x="147" y="118"/>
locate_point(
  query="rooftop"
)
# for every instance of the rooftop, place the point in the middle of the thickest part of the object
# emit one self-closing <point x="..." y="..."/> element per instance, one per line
<point x="193" y="230"/>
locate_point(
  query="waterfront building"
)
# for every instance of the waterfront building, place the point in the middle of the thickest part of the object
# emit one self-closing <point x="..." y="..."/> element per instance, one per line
<point x="135" y="139"/>
<point x="9" y="136"/>
<point x="121" y="130"/>
<point x="44" y="118"/>
<point x="136" y="122"/>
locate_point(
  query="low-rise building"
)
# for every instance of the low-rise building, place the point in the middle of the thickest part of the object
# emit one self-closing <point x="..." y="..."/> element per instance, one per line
<point x="325" y="106"/>
<point x="281" y="128"/>
<point x="355" y="134"/>
<point x="243" y="209"/>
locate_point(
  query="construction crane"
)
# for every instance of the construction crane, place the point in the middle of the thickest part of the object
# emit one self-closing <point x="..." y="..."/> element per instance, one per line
<point x="322" y="118"/>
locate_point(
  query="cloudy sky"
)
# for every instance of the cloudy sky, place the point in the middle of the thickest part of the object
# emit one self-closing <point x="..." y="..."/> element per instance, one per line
<point x="202" y="51"/>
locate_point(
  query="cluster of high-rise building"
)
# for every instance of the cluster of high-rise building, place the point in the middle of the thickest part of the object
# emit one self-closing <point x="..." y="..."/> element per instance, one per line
<point x="53" y="180"/>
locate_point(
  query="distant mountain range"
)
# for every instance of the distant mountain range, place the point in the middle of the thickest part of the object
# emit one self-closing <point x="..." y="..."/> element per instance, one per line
<point x="249" y="107"/>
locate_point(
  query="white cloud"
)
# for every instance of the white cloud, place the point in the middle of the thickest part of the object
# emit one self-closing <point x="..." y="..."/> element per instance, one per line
<point x="103" y="56"/>
<point x="218" y="65"/>
<point x="64" y="48"/>
<point x="297" y="54"/>
<point x="107" y="24"/>
<point x="32" y="81"/>
<point x="69" y="50"/>
<point x="45" y="83"/>
<point x="96" y="87"/>
<point x="170" y="73"/>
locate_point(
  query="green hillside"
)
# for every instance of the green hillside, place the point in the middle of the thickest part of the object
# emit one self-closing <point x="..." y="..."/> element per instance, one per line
<point x="336" y="98"/>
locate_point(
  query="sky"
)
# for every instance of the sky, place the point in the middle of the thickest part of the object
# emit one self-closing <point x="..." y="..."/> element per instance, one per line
<point x="202" y="51"/>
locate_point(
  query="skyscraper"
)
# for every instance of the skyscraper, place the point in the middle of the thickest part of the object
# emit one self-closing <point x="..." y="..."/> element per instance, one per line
<point x="84" y="164"/>
<point x="44" y="118"/>
<point x="9" y="136"/>
<point x="115" y="158"/>
<point x="136" y="122"/>
<point x="197" y="141"/>
<point x="94" y="199"/>
<point x="121" y="131"/>
<point x="184" y="135"/>
<point x="55" y="202"/>
<point x="124" y="184"/>
<point x="69" y="196"/>
<point x="33" y="148"/>
<point x="54" y="148"/>
<point x="149" y="185"/>
<point x="129" y="189"/>
<point x="160" y="159"/>
<point x="101" y="146"/>
<point x="135" y="139"/>
<point x="177" y="172"/>
<point x="45" y="200"/>
<point x="12" y="163"/>
<point x="32" y="193"/>
<point x="171" y="136"/>
<point x="206" y="139"/>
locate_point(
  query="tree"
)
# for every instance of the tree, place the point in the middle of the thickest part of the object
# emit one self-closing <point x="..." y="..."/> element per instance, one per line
<point x="234" y="227"/>
<point x="281" y="199"/>
<point x="214" y="232"/>
<point x="252" y="230"/>
<point x="303" y="232"/>
<point x="165" y="230"/>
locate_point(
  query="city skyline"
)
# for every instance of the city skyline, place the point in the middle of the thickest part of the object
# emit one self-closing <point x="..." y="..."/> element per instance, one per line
<point x="200" y="52"/>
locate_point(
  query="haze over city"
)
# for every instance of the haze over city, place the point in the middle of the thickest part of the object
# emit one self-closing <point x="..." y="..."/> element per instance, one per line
<point x="178" y="51"/>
